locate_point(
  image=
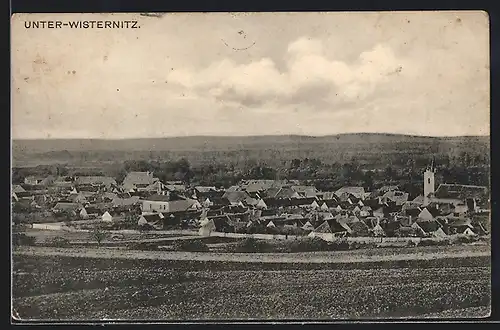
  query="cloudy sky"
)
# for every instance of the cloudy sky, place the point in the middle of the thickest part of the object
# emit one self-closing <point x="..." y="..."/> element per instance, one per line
<point x="252" y="74"/>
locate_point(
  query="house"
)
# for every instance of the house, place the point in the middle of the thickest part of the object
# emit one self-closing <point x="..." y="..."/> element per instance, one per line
<point x="175" y="187"/>
<point x="33" y="180"/>
<point x="384" y="189"/>
<point x="77" y="198"/>
<point x="23" y="195"/>
<point x="18" y="189"/>
<point x="339" y="228"/>
<point x="104" y="181"/>
<point x="396" y="196"/>
<point x="271" y="224"/>
<point x="138" y="180"/>
<point x="378" y="231"/>
<point x="305" y="191"/>
<point x="459" y="225"/>
<point x="439" y="233"/>
<point x="234" y="188"/>
<point x="285" y="192"/>
<point x="365" y="211"/>
<point x="323" y="228"/>
<point x="328" y="195"/>
<point x="125" y="202"/>
<point x="412" y="231"/>
<point x="88" y="211"/>
<point x="391" y="228"/>
<point x="261" y="185"/>
<point x="429" y="227"/>
<point x="235" y="197"/>
<point x="308" y="226"/>
<point x="379" y="212"/>
<point x="425" y="215"/>
<point x="223" y="223"/>
<point x="209" y="194"/>
<point x="88" y="190"/>
<point x="324" y="206"/>
<point x="358" y="192"/>
<point x="460" y="192"/>
<point x="107" y="217"/>
<point x="261" y="204"/>
<point x="204" y="189"/>
<point x="163" y="203"/>
<point x="153" y="220"/>
<point x="419" y="200"/>
<point x="314" y="205"/>
<point x="63" y="206"/>
<point x="109" y="196"/>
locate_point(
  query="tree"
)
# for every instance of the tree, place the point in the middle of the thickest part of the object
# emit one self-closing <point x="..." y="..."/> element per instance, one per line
<point x="368" y="181"/>
<point x="98" y="235"/>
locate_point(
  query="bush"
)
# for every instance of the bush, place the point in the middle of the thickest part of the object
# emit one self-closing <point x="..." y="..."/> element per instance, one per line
<point x="306" y="244"/>
<point x="411" y="243"/>
<point x="57" y="241"/>
<point x="190" y="246"/>
<point x="143" y="246"/>
<point x="251" y="245"/>
<point x="434" y="242"/>
<point x="23" y="239"/>
<point x="466" y="239"/>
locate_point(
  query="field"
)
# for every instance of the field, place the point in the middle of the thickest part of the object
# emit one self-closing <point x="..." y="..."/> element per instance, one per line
<point x="198" y="149"/>
<point x="78" y="288"/>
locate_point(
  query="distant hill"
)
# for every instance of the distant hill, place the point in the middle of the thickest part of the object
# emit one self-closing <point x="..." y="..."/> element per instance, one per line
<point x="286" y="146"/>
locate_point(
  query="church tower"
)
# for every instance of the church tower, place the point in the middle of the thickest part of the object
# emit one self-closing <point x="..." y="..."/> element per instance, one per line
<point x="429" y="182"/>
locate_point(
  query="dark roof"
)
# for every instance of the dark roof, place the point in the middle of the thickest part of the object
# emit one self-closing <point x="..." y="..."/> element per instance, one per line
<point x="158" y="198"/>
<point x="269" y="212"/>
<point x="414" y="212"/>
<point x="458" y="191"/>
<point x="286" y="192"/>
<point x="95" y="180"/>
<point x="22" y="194"/>
<point x="458" y="222"/>
<point x="331" y="203"/>
<point x="373" y="203"/>
<point x="213" y="194"/>
<point x="236" y="196"/>
<point x="219" y="201"/>
<point x="87" y="188"/>
<point x="152" y="217"/>
<point x="91" y="210"/>
<point x="337" y="227"/>
<point x="429" y="226"/>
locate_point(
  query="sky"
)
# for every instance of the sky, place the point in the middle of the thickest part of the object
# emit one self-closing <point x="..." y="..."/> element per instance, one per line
<point x="182" y="74"/>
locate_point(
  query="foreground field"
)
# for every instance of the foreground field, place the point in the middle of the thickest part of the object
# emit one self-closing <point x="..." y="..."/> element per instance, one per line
<point x="78" y="288"/>
<point x="391" y="255"/>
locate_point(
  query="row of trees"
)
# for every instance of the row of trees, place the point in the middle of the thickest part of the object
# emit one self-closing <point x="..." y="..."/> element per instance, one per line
<point x="325" y="175"/>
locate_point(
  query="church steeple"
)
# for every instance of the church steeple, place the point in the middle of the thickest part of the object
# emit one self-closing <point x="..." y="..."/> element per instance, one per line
<point x="429" y="182"/>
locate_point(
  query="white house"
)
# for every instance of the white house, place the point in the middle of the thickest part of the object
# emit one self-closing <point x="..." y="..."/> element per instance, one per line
<point x="107" y="217"/>
<point x="261" y="204"/>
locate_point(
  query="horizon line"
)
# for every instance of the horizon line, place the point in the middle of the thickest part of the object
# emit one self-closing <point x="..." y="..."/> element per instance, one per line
<point x="249" y="136"/>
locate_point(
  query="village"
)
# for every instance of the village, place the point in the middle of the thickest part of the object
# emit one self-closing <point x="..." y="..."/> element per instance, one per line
<point x="271" y="208"/>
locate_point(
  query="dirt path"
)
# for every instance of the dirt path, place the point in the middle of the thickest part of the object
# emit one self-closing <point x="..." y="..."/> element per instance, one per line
<point x="304" y="257"/>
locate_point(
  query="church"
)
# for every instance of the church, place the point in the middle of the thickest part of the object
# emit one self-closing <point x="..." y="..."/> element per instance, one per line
<point x="463" y="197"/>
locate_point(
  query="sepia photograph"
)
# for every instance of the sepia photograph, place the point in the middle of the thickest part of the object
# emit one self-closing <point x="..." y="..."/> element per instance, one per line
<point x="250" y="166"/>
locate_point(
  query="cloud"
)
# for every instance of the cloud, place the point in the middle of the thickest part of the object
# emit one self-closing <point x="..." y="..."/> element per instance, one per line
<point x="309" y="77"/>
<point x="372" y="72"/>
